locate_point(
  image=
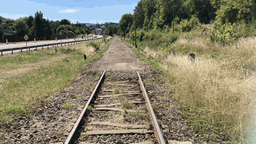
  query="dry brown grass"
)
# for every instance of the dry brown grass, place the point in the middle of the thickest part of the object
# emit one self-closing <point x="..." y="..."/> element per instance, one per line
<point x="109" y="37"/>
<point x="224" y="87"/>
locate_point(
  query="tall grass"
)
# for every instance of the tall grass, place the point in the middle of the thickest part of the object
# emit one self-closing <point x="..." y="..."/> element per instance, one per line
<point x="217" y="94"/>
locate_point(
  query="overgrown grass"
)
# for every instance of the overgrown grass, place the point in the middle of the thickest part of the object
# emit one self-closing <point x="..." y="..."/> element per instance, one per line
<point x="68" y="105"/>
<point x="115" y="86"/>
<point x="126" y="103"/>
<point x="217" y="92"/>
<point x="21" y="93"/>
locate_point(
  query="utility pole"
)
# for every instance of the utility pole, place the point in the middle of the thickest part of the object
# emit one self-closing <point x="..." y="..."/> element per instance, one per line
<point x="135" y="30"/>
<point x="173" y="18"/>
<point x="173" y="15"/>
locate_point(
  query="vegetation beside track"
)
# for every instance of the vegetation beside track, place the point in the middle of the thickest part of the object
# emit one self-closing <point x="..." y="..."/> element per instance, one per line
<point x="216" y="93"/>
<point x="27" y="79"/>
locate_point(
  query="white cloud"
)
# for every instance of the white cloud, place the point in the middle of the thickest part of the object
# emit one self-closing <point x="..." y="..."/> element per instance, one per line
<point x="13" y="16"/>
<point x="69" y="11"/>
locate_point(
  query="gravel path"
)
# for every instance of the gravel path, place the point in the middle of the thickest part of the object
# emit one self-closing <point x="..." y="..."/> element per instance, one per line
<point x="118" y="57"/>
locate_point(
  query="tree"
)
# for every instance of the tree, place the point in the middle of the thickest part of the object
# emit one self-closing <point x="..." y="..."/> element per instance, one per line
<point x="149" y="14"/>
<point x="111" y="30"/>
<point x="54" y="26"/>
<point x="78" y="24"/>
<point x="8" y="24"/>
<point x="205" y="11"/>
<point x="139" y="13"/>
<point x="236" y="11"/>
<point x="39" y="23"/>
<point x="125" y="23"/>
<point x="21" y="27"/>
<point x="30" y="21"/>
<point x="46" y="27"/>
<point x="65" y="22"/>
<point x="65" y="29"/>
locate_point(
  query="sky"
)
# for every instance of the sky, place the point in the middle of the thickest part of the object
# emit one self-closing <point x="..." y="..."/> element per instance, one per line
<point x="83" y="11"/>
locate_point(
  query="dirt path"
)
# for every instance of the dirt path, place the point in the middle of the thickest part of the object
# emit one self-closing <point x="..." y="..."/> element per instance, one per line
<point x="118" y="57"/>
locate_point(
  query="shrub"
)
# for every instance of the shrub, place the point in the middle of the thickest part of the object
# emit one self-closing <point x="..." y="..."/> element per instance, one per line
<point x="244" y="30"/>
<point x="95" y="45"/>
<point x="168" y="39"/>
<point x="105" y="40"/>
<point x="141" y="34"/>
<point x="223" y="33"/>
<point x="187" y="25"/>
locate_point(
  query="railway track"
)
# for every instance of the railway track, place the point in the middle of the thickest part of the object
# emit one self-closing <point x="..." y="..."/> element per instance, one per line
<point x="117" y="112"/>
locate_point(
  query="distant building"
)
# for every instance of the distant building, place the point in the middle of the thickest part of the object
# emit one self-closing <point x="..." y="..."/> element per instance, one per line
<point x="103" y="27"/>
<point x="98" y="31"/>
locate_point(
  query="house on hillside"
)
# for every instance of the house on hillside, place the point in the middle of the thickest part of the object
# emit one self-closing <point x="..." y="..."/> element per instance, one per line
<point x="103" y="27"/>
<point x="98" y="31"/>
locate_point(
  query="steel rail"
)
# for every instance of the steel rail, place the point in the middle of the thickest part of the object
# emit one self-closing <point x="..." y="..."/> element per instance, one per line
<point x="157" y="130"/>
<point x="70" y="136"/>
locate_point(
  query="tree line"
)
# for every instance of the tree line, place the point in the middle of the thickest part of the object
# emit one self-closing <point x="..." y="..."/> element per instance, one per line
<point x="39" y="26"/>
<point x="160" y="14"/>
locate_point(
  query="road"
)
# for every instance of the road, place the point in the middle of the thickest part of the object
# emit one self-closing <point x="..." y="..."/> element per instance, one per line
<point x="23" y="44"/>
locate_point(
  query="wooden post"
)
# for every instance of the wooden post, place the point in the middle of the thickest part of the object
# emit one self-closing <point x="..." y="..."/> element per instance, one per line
<point x="1" y="53"/>
<point x="42" y="47"/>
<point x="21" y="50"/>
<point x="36" y="48"/>
<point x="12" y="51"/>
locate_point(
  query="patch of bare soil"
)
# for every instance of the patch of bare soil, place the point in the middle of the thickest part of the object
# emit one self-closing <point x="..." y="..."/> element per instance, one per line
<point x="118" y="57"/>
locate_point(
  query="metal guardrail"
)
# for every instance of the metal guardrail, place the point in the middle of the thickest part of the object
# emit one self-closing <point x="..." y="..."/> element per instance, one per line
<point x="36" y="46"/>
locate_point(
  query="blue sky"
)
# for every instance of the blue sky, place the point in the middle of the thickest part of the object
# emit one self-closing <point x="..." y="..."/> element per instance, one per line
<point x="83" y="11"/>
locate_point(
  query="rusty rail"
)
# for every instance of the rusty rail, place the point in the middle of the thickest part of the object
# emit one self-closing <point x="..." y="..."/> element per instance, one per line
<point x="70" y="136"/>
<point x="157" y="130"/>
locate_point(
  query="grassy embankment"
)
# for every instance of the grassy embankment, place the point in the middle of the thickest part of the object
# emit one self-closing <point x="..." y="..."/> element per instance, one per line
<point x="217" y="92"/>
<point x="27" y="79"/>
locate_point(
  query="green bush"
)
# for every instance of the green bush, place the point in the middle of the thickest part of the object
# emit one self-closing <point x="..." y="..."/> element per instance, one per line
<point x="95" y="45"/>
<point x="141" y="34"/>
<point x="105" y="40"/>
<point x="223" y="33"/>
<point x="168" y="39"/>
<point x="244" y="30"/>
<point x="187" y="25"/>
